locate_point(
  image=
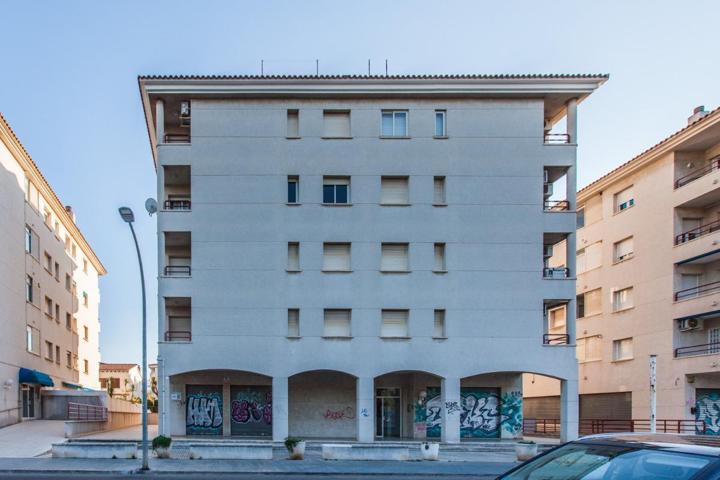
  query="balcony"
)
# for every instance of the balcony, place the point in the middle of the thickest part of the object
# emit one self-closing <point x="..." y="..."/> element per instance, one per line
<point x="556" y="272"/>
<point x="556" y="339"/>
<point x="712" y="165"/>
<point x="556" y="138"/>
<point x="172" y="138"/>
<point x="697" y="232"/>
<point x="178" y="336"/>
<point x="178" y="254"/>
<point x="176" y="187"/>
<point x="184" y="205"/>
<point x="695" y="350"/>
<point x="177" y="270"/>
<point x="556" y="205"/>
<point x="178" y="319"/>
<point x="697" y="291"/>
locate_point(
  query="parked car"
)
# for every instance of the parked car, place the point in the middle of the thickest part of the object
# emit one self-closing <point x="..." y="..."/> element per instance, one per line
<point x="625" y="456"/>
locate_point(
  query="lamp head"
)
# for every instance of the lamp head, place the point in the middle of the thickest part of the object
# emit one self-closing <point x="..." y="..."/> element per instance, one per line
<point x="127" y="214"/>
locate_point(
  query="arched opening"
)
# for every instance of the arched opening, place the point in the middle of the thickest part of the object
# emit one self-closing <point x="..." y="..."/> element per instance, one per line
<point x="407" y="405"/>
<point x="322" y="404"/>
<point x="220" y="403"/>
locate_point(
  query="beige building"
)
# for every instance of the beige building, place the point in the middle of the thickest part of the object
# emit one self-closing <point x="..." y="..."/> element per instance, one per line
<point x="124" y="380"/>
<point x="49" y="295"/>
<point x="648" y="262"/>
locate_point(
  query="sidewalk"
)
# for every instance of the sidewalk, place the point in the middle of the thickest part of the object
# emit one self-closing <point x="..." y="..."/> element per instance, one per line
<point x="31" y="438"/>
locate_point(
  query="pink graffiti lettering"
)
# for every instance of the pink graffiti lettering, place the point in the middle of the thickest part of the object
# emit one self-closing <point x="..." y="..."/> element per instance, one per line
<point x="347" y="413"/>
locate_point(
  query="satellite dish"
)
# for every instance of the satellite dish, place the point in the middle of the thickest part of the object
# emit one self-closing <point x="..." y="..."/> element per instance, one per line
<point x="151" y="205"/>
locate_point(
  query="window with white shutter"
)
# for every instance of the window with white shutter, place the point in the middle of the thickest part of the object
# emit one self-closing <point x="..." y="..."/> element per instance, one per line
<point x="623" y="349"/>
<point x="179" y="325"/>
<point x="293" y="258"/>
<point x="593" y="256"/>
<point x="439" y="324"/>
<point x="557" y="317"/>
<point x="580" y="261"/>
<point x="592" y="302"/>
<point x="624" y="249"/>
<point x="337" y="323"/>
<point x="624" y="199"/>
<point x="439" y="263"/>
<point x="293" y="124"/>
<point x="394" y="191"/>
<point x="588" y="349"/>
<point x="394" y="323"/>
<point x="336" y="124"/>
<point x="293" y="322"/>
<point x="439" y="191"/>
<point x="622" y="299"/>
<point x="394" y="257"/>
<point x="336" y="257"/>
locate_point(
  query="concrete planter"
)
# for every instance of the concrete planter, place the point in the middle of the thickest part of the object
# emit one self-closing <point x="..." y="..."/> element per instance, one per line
<point x="430" y="450"/>
<point x="526" y="451"/>
<point x="298" y="451"/>
<point x="162" y="452"/>
<point x="364" y="452"/>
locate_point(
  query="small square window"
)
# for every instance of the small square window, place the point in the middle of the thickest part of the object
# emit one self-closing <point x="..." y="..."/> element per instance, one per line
<point x="440" y="124"/>
<point x="394" y="323"/>
<point x="336" y="190"/>
<point x="337" y="323"/>
<point x="395" y="123"/>
<point x="336" y="257"/>
<point x="394" y="257"/>
<point x="394" y="191"/>
<point x="336" y="124"/>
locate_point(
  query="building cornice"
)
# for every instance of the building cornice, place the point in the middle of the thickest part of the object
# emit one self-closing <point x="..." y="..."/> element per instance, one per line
<point x="21" y="155"/>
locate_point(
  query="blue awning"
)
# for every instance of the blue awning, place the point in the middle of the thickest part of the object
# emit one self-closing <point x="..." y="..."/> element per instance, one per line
<point x="33" y="376"/>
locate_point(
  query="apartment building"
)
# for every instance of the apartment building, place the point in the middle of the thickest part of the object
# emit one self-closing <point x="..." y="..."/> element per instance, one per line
<point x="361" y="257"/>
<point x="49" y="326"/>
<point x="649" y="284"/>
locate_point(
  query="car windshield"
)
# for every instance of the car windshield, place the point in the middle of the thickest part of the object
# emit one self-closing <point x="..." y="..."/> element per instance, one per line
<point x="577" y="461"/>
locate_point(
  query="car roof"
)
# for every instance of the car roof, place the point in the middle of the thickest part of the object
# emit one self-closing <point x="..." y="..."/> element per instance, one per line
<point x="694" y="444"/>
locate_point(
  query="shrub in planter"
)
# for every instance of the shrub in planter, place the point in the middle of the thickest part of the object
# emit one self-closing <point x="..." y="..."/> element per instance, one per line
<point x="525" y="450"/>
<point x="161" y="446"/>
<point x="296" y="447"/>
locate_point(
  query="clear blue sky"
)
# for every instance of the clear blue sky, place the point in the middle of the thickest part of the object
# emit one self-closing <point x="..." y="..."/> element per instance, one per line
<point x="68" y="85"/>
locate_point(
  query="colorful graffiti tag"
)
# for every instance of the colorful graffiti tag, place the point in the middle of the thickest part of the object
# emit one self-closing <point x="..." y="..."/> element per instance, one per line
<point x="707" y="410"/>
<point x="204" y="412"/>
<point x="511" y="413"/>
<point x="347" y="413"/>
<point x="251" y="410"/>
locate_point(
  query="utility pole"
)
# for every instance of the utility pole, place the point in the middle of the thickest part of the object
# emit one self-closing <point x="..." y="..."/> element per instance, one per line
<point x="653" y="393"/>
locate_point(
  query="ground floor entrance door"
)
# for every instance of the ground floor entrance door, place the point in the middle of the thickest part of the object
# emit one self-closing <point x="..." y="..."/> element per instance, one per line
<point x="251" y="411"/>
<point x="28" y="401"/>
<point x="204" y="410"/>
<point x="388" y="413"/>
<point x="707" y="410"/>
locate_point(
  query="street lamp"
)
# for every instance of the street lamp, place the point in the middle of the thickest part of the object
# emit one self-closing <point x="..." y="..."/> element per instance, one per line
<point x="127" y="215"/>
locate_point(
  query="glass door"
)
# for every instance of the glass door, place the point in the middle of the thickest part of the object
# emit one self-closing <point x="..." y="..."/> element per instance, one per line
<point x="28" y="401"/>
<point x="388" y="413"/>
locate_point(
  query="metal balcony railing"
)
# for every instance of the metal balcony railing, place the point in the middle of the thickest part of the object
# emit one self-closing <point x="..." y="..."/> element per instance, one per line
<point x="556" y="272"/>
<point x="177" y="270"/>
<point x="178" y="336"/>
<point x="551" y="426"/>
<point x="556" y="205"/>
<point x="177" y="138"/>
<point x="177" y="204"/>
<point x="692" y="350"/>
<point x="557" y="138"/>
<point x="713" y="165"/>
<point x="556" y="339"/>
<point x="81" y="412"/>
<point x="697" y="232"/>
<point x="697" y="291"/>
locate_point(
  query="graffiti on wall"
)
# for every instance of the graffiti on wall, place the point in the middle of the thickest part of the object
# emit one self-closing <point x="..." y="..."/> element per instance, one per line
<point x="707" y="410"/>
<point x="204" y="412"/>
<point x="347" y="413"/>
<point x="251" y="410"/>
<point x="481" y="412"/>
<point x="511" y="413"/>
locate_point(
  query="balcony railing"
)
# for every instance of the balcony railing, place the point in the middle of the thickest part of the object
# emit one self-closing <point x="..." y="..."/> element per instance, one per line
<point x="177" y="138"/>
<point x="693" y="350"/>
<point x="697" y="232"/>
<point x="177" y="204"/>
<point x="557" y="205"/>
<point x="697" y="291"/>
<point x="178" y="336"/>
<point x="177" y="270"/>
<point x="81" y="412"/>
<point x="551" y="426"/>
<point x="556" y="272"/>
<point x="557" y="138"/>
<point x="556" y="339"/>
<point x="713" y="165"/>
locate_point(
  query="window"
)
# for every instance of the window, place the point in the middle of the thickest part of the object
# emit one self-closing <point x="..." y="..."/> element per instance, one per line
<point x="624" y="199"/>
<point x="588" y="349"/>
<point x="31" y="194"/>
<point x="57" y="354"/>
<point x="48" y="262"/>
<point x="68" y="359"/>
<point x="337" y="323"/>
<point x="74" y="250"/>
<point x="689" y="283"/>
<point x="622" y="299"/>
<point x="29" y="296"/>
<point x="623" y="250"/>
<point x="86" y="301"/>
<point x="293" y="189"/>
<point x="48" y="350"/>
<point x="336" y="124"/>
<point x="623" y="349"/>
<point x="439" y="324"/>
<point x="394" y="257"/>
<point x="394" y="323"/>
<point x="86" y="367"/>
<point x="48" y="307"/>
<point x="47" y="218"/>
<point x="293" y="260"/>
<point x="57" y="228"/>
<point x="293" y="322"/>
<point x="589" y="303"/>
<point x="336" y="190"/>
<point x="68" y="321"/>
<point x="32" y="340"/>
<point x="589" y="257"/>
<point x="336" y="257"/>
<point x="439" y="191"/>
<point x="580" y="217"/>
<point x="74" y="324"/>
<point x="28" y="239"/>
<point x="557" y="317"/>
<point x="440" y="123"/>
<point x="394" y="123"/>
<point x="85" y="266"/>
<point x="86" y="333"/>
<point x="57" y="271"/>
<point x="394" y="191"/>
<point x="75" y="362"/>
<point x="293" y="124"/>
<point x="68" y="282"/>
<point x="439" y="265"/>
<point x="57" y="313"/>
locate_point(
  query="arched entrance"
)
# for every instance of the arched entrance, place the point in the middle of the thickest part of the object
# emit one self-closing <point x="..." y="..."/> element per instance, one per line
<point x="322" y="404"/>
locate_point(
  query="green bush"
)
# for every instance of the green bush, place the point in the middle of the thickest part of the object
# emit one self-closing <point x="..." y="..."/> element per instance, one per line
<point x="291" y="442"/>
<point x="161" y="441"/>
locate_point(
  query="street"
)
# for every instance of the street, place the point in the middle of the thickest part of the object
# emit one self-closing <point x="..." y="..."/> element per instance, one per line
<point x="205" y="476"/>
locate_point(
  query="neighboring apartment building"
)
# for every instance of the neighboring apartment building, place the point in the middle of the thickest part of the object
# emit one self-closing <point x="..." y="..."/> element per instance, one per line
<point x="648" y="265"/>
<point x="361" y="257"/>
<point x="49" y="325"/>
<point x="124" y="380"/>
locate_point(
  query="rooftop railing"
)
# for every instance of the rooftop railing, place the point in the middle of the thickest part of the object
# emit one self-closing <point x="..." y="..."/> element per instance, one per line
<point x="713" y="165"/>
<point x="697" y="291"/>
<point x="697" y="232"/>
<point x="693" y="350"/>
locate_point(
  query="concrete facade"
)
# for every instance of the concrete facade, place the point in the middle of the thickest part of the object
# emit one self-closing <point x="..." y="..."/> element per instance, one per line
<point x="670" y="264"/>
<point x="55" y="332"/>
<point x="248" y="278"/>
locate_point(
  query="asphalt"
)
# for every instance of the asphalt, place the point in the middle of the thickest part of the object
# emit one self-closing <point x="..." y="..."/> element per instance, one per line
<point x="208" y="476"/>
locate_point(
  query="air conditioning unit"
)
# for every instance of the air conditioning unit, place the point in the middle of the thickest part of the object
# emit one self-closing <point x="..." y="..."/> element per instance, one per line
<point x="690" y="324"/>
<point x="184" y="109"/>
<point x="547" y="251"/>
<point x="547" y="189"/>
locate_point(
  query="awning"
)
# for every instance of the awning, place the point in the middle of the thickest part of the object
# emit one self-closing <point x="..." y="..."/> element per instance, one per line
<point x="33" y="376"/>
<point x="72" y="385"/>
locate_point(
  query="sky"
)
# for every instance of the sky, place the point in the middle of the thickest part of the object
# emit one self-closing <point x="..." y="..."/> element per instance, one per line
<point x="68" y="86"/>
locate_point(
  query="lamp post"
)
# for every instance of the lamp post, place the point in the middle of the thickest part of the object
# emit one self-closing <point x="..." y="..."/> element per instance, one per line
<point x="127" y="215"/>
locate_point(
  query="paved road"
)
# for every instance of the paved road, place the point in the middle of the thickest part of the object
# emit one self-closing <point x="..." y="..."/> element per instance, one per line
<point x="209" y="476"/>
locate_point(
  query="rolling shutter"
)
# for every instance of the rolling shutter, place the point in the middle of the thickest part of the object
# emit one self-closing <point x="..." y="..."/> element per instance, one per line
<point x="439" y="190"/>
<point x="293" y="323"/>
<point x="439" y="324"/>
<point x="394" y="323"/>
<point x="439" y="265"/>
<point x="394" y="191"/>
<point x="394" y="257"/>
<point x="336" y="257"/>
<point x="293" y="262"/>
<point x="337" y="124"/>
<point x="337" y="323"/>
